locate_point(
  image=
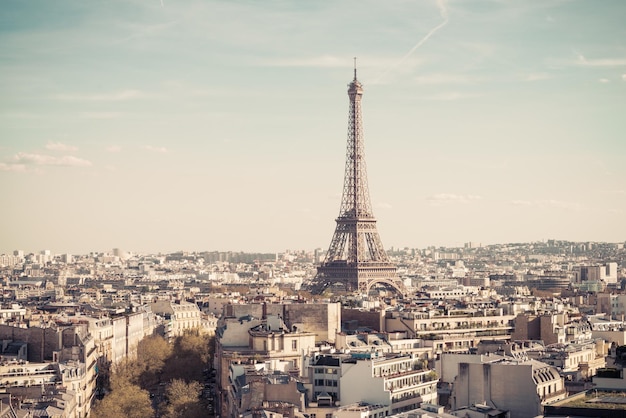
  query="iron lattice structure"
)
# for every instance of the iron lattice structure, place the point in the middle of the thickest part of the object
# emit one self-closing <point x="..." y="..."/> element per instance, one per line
<point x="356" y="258"/>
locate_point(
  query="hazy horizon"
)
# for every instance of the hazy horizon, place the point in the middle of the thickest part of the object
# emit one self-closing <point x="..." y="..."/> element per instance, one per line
<point x="221" y="126"/>
<point x="131" y="251"/>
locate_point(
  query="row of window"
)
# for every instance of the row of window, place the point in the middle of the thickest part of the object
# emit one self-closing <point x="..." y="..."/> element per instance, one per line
<point x="315" y="415"/>
<point x="325" y="382"/>
<point x="548" y="389"/>
<point x="294" y="345"/>
<point x="409" y="381"/>
<point x="319" y="370"/>
<point x="393" y="368"/>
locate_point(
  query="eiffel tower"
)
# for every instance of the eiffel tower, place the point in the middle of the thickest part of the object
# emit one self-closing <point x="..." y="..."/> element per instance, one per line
<point x="356" y="259"/>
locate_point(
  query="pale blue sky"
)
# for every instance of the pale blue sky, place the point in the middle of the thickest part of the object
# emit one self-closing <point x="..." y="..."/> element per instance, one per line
<point x="221" y="125"/>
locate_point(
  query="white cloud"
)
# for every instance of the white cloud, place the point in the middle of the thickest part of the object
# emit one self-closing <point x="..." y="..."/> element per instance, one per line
<point x="604" y="80"/>
<point x="324" y="61"/>
<point x="442" y="198"/>
<point x="450" y="96"/>
<point x="58" y="146"/>
<point x="161" y="150"/>
<point x="139" y="31"/>
<point x="550" y="203"/>
<point x="624" y="77"/>
<point x="116" y="96"/>
<point x="560" y="204"/>
<point x="445" y="79"/>
<point x="606" y="62"/>
<point x="579" y="57"/>
<point x="100" y="115"/>
<point x="537" y="76"/>
<point x="19" y="115"/>
<point x="49" y="160"/>
<point x="12" y="167"/>
<point x="378" y="62"/>
<point x="113" y="148"/>
<point x="601" y="62"/>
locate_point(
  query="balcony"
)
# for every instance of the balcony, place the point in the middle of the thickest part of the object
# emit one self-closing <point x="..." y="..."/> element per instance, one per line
<point x="397" y="383"/>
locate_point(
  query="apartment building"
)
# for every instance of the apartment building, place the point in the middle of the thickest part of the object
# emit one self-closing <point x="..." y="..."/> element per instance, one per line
<point x="601" y="272"/>
<point x="321" y="318"/>
<point x="521" y="387"/>
<point x="398" y="382"/>
<point x="575" y="361"/>
<point x="60" y="359"/>
<point x="128" y="331"/>
<point x="263" y="387"/>
<point x="248" y="340"/>
<point x="452" y="330"/>
<point x="180" y="316"/>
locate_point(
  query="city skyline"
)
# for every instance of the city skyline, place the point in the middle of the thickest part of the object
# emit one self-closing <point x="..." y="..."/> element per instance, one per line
<point x="159" y="126"/>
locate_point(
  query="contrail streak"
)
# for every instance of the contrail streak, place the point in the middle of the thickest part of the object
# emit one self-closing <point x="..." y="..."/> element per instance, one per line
<point x="444" y="15"/>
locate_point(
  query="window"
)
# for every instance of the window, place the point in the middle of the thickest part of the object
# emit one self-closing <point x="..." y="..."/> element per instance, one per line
<point x="294" y="344"/>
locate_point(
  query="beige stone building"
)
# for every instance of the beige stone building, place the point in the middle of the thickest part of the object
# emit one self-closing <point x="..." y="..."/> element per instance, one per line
<point x="128" y="331"/>
<point x="68" y="367"/>
<point x="455" y="331"/>
<point x="180" y="316"/>
<point x="522" y="387"/>
<point x="398" y="382"/>
<point x="248" y="340"/>
<point x="574" y="361"/>
<point x="263" y="386"/>
<point x="323" y="319"/>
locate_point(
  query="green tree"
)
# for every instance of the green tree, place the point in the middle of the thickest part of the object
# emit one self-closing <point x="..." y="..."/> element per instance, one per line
<point x="124" y="373"/>
<point x="194" y="343"/>
<point x="190" y="355"/>
<point x="183" y="400"/>
<point x="125" y="401"/>
<point x="180" y="363"/>
<point x="152" y="353"/>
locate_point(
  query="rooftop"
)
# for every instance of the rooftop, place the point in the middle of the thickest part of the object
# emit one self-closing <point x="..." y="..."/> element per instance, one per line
<point x="595" y="399"/>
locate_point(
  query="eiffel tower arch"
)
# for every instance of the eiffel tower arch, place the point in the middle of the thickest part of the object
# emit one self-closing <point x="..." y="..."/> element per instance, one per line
<point x="356" y="259"/>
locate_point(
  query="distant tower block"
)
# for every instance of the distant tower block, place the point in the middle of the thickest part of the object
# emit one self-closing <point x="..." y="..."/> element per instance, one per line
<point x="356" y="259"/>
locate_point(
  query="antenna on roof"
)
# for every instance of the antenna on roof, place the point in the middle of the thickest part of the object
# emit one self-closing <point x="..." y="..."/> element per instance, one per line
<point x="355" y="68"/>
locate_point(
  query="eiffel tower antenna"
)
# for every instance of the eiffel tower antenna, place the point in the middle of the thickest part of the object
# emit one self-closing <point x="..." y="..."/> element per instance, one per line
<point x="356" y="259"/>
